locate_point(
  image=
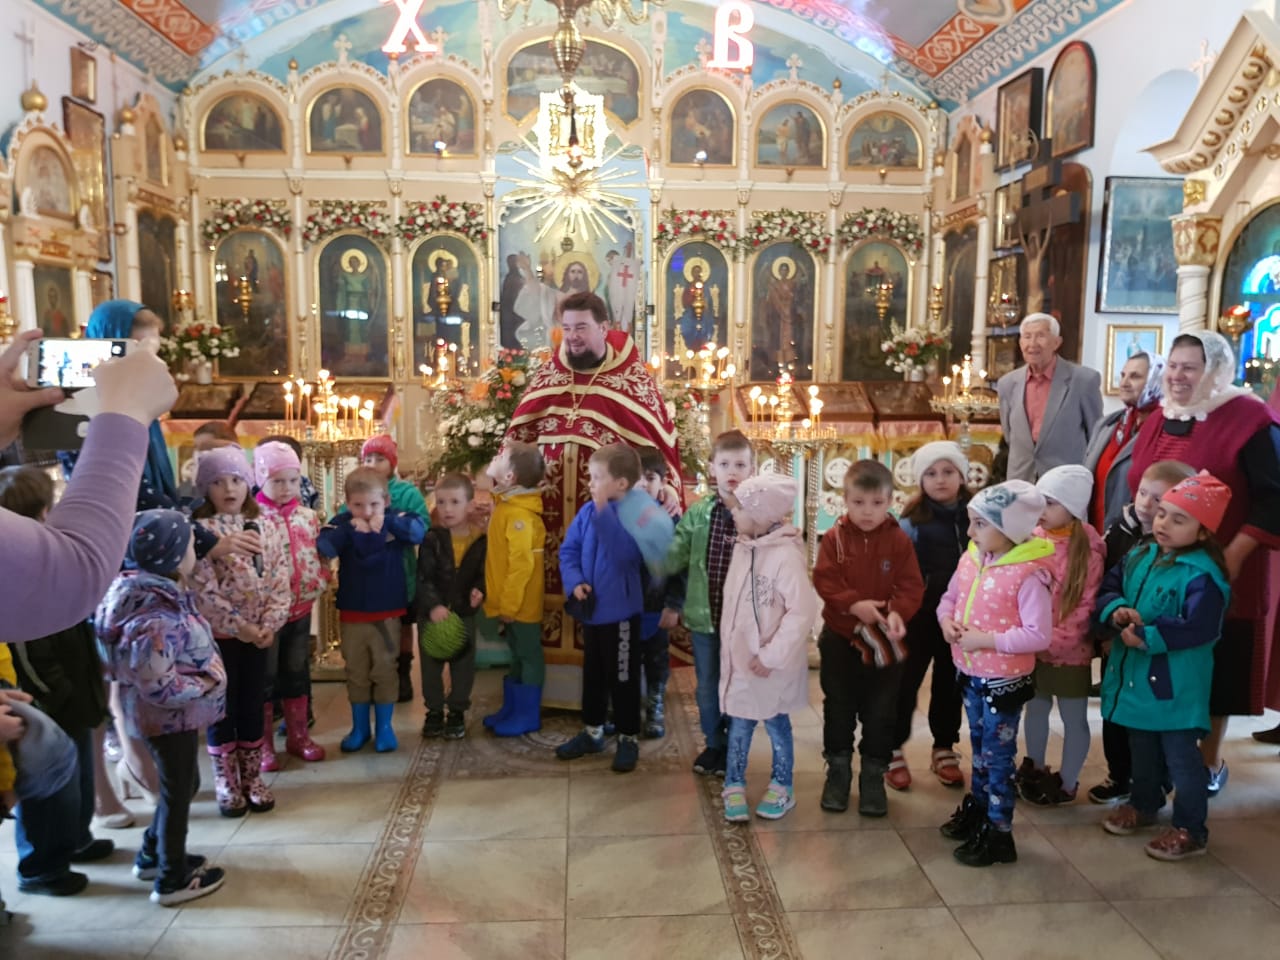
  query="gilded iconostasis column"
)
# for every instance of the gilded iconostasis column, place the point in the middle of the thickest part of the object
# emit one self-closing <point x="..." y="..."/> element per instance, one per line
<point x="24" y="294"/>
<point x="1195" y="245"/>
<point x="82" y="290"/>
<point x="824" y="367"/>
<point x="202" y="254"/>
<point x="742" y="334"/>
<point x="981" y="281"/>
<point x="133" y="257"/>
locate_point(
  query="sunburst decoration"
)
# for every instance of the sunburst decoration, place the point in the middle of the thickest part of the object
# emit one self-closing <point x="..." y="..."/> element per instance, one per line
<point x="583" y="201"/>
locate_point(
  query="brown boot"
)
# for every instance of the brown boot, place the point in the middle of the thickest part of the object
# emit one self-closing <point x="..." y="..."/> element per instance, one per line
<point x="226" y="780"/>
<point x="253" y="789"/>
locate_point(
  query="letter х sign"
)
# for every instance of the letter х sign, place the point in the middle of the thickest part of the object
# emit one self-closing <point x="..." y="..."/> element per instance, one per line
<point x="407" y="24"/>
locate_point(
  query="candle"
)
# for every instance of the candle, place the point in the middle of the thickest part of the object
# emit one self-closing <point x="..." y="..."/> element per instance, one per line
<point x="773" y="409"/>
<point x="306" y="390"/>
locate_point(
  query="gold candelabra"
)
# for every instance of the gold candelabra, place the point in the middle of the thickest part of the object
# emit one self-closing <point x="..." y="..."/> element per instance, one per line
<point x="936" y="304"/>
<point x="443" y="374"/>
<point x="322" y="414"/>
<point x="963" y="398"/>
<point x="244" y="295"/>
<point x="884" y="299"/>
<point x="1235" y="322"/>
<point x="444" y="298"/>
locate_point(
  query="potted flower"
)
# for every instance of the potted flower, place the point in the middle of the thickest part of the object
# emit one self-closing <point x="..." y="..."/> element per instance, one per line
<point x="196" y="346"/>
<point x="911" y="350"/>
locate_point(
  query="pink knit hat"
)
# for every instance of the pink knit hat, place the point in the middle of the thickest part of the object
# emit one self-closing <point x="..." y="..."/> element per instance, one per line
<point x="221" y="462"/>
<point x="767" y="497"/>
<point x="1203" y="496"/>
<point x="270" y="458"/>
<point x="384" y="446"/>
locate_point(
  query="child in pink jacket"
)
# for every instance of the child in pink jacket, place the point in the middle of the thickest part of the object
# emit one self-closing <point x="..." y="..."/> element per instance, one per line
<point x="288" y="669"/>
<point x="769" y="610"/>
<point x="246" y="600"/>
<point x="1063" y="671"/>
<point x="997" y="614"/>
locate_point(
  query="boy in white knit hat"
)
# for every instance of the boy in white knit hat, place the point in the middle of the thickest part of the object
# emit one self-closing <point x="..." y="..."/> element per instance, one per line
<point x="997" y="614"/>
<point x="769" y="610"/>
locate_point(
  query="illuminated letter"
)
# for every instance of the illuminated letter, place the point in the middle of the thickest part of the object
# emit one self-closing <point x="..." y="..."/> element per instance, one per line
<point x="728" y="32"/>
<point x="405" y="25"/>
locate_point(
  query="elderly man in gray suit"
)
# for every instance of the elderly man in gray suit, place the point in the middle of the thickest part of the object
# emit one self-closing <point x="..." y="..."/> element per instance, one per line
<point x="1049" y="407"/>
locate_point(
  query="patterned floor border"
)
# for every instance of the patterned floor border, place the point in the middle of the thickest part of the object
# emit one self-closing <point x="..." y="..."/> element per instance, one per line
<point x="754" y="903"/>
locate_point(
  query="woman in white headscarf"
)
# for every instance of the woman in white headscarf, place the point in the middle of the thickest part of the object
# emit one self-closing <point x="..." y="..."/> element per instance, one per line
<point x="1111" y="447"/>
<point x="1210" y="424"/>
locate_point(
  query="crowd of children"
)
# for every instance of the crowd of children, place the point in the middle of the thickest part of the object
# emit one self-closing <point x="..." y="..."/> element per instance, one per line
<point x="1006" y="595"/>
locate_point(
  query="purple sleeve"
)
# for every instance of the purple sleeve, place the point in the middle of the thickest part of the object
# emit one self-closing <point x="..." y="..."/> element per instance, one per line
<point x="53" y="574"/>
<point x="1035" y="609"/>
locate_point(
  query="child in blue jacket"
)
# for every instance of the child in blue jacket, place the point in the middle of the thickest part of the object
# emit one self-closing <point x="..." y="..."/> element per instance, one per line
<point x="601" y="564"/>
<point x="1166" y="601"/>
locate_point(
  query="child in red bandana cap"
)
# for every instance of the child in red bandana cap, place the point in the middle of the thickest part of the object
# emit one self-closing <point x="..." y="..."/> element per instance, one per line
<point x="1166" y="601"/>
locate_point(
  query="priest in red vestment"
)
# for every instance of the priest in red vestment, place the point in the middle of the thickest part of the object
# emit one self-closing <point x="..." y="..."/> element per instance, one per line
<point x="595" y="390"/>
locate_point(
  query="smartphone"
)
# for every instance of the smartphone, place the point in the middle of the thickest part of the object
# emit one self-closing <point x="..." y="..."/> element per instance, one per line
<point x="67" y="363"/>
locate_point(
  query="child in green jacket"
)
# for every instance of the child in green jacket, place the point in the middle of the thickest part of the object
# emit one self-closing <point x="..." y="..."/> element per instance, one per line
<point x="1166" y="600"/>
<point x="703" y="546"/>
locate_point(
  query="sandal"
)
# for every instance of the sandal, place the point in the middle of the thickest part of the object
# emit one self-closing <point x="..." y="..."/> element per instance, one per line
<point x="946" y="767"/>
<point x="1126" y="819"/>
<point x="898" y="776"/>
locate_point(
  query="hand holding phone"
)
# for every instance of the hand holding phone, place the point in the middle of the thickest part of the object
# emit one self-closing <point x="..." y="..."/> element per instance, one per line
<point x="69" y="364"/>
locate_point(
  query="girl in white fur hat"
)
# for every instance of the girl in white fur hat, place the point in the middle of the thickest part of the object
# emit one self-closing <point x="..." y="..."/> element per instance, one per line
<point x="938" y="525"/>
<point x="1063" y="670"/>
<point x="769" y="611"/>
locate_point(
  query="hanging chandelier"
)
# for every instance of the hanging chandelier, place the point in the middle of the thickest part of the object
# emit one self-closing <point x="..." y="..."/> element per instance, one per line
<point x="609" y="11"/>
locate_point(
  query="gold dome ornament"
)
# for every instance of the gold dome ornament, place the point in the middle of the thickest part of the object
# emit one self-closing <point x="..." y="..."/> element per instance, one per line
<point x="127" y="115"/>
<point x="837" y="83"/>
<point x="180" y="144"/>
<point x="33" y="101"/>
<point x="293" y="63"/>
<point x="985" y="136"/>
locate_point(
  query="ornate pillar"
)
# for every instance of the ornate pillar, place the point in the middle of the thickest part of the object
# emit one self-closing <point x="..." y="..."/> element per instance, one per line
<point x="81" y="293"/>
<point x="1195" y="245"/>
<point x="24" y="294"/>
<point x="490" y="334"/>
<point x="181" y="249"/>
<point x="824" y="362"/>
<point x="133" y="258"/>
<point x="401" y="323"/>
<point x="303" y="305"/>
<point x="742" y="286"/>
<point x="200" y="252"/>
<point x="978" y="348"/>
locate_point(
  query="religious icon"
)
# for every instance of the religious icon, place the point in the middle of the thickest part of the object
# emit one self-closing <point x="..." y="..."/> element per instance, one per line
<point x="883" y="139"/>
<point x="961" y="261"/>
<point x="1018" y="118"/>
<point x="157" y="249"/>
<point x="47" y="183"/>
<point x="869" y="268"/>
<point x="782" y="310"/>
<point x="262" y="331"/>
<point x="344" y="120"/>
<point x="605" y="70"/>
<point x="441" y="111"/>
<point x="87" y="130"/>
<point x="698" y="280"/>
<point x="791" y="135"/>
<point x="539" y="274"/>
<point x="352" y="274"/>
<point x="446" y="299"/>
<point x="54" y="305"/>
<point x="702" y="123"/>
<point x="243" y="123"/>
<point x="1069" y="100"/>
<point x="1139" y="269"/>
<point x="154" y="136"/>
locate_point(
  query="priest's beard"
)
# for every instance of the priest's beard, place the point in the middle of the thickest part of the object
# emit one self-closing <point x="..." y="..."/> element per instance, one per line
<point x="585" y="361"/>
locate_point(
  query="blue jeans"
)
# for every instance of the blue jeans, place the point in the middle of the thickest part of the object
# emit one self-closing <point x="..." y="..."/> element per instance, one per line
<point x="49" y="830"/>
<point x="1153" y="752"/>
<point x="784" y="758"/>
<point x="993" y="736"/>
<point x="706" y="667"/>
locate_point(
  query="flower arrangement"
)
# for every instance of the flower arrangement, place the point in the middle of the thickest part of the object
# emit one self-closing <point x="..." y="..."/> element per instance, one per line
<point x="909" y="347"/>
<point x="424" y="219"/>
<point x="713" y="226"/>
<point x="472" y="421"/>
<point x="692" y="430"/>
<point x="903" y="228"/>
<point x="335" y="215"/>
<point x="199" y="342"/>
<point x="807" y="229"/>
<point x="228" y="215"/>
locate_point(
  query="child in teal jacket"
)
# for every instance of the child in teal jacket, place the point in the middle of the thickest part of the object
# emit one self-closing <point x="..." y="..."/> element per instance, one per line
<point x="1166" y="601"/>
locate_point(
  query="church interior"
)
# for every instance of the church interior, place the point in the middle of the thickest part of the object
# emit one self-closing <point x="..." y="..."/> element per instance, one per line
<point x="820" y="222"/>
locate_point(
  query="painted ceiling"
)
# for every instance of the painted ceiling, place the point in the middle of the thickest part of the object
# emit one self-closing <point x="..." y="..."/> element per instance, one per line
<point x="949" y="50"/>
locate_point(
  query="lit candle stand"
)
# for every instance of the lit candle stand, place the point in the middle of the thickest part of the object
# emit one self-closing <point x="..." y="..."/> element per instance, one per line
<point x="962" y="399"/>
<point x="317" y="413"/>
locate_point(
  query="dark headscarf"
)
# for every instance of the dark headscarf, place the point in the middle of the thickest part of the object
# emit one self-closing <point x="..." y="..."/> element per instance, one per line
<point x="113" y="319"/>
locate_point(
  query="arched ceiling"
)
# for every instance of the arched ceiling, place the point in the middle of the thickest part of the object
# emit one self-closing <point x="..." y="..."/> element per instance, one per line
<point x="949" y="50"/>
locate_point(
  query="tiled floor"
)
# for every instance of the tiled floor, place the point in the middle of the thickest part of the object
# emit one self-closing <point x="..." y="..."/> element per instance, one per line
<point x="489" y="849"/>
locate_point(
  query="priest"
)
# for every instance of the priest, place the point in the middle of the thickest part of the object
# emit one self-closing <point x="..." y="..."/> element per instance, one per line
<point x="595" y="390"/>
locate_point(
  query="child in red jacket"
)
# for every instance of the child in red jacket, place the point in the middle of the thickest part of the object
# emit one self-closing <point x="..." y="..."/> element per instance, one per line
<point x="870" y="584"/>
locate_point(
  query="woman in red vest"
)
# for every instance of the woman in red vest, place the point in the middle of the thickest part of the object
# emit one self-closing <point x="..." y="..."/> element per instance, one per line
<point x="1212" y="425"/>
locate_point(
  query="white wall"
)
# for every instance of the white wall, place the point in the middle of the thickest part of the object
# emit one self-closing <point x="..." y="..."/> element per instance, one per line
<point x="119" y="83"/>
<point x="1144" y="52"/>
